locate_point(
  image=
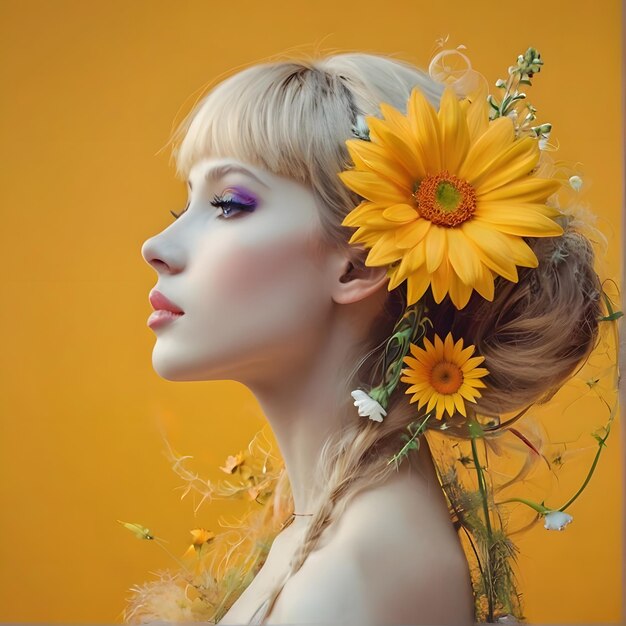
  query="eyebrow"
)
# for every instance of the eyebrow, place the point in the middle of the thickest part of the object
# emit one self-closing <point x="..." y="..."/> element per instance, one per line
<point x="214" y="174"/>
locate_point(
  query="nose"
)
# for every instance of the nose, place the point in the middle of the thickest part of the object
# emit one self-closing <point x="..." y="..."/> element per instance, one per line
<point x="164" y="257"/>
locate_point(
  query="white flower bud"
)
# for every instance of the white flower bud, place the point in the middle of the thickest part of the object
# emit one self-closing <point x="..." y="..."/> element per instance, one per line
<point x="557" y="520"/>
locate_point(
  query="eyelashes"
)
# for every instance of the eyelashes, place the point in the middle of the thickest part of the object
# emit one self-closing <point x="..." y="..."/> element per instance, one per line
<point x="177" y="215"/>
<point x="230" y="200"/>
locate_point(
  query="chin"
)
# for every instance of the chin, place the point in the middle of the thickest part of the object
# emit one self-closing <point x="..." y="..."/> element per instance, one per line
<point x="169" y="371"/>
<point x="172" y="368"/>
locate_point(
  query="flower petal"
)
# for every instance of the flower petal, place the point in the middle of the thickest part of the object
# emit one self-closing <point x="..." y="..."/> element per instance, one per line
<point x="383" y="252"/>
<point x="435" y="242"/>
<point x="460" y="293"/>
<point x="488" y="147"/>
<point x="463" y="256"/>
<point x="370" y="156"/>
<point x="524" y="220"/>
<point x="512" y="164"/>
<point x="398" y="123"/>
<point x="417" y="284"/>
<point x="412" y="260"/>
<point x="530" y="189"/>
<point x="425" y="127"/>
<point x="400" y="213"/>
<point x="478" y="111"/>
<point x="440" y="280"/>
<point x="373" y="187"/>
<point x="454" y="131"/>
<point x="493" y="247"/>
<point x="449" y="402"/>
<point x="409" y="235"/>
<point x="401" y="149"/>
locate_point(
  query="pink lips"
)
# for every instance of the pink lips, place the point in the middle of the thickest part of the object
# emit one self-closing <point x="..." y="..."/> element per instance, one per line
<point x="160" y="302"/>
<point x="164" y="310"/>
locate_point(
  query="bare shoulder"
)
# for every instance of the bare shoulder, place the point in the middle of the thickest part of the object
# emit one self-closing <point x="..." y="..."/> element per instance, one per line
<point x="386" y="563"/>
<point x="328" y="589"/>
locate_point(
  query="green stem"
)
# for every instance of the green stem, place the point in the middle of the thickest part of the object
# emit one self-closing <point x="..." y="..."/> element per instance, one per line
<point x="173" y="557"/>
<point x="405" y="448"/>
<point x="590" y="474"/>
<point x="533" y="505"/>
<point x="406" y="330"/>
<point x="483" y="493"/>
<point x="481" y="485"/>
<point x="542" y="509"/>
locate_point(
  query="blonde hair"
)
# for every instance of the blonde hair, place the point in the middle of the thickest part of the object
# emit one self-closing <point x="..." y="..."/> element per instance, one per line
<point x="292" y="118"/>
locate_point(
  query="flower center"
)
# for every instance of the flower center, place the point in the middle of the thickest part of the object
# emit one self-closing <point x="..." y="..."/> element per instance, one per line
<point x="446" y="377"/>
<point x="445" y="199"/>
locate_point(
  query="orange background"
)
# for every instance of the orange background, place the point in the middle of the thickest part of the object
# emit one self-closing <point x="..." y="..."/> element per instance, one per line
<point x="90" y="92"/>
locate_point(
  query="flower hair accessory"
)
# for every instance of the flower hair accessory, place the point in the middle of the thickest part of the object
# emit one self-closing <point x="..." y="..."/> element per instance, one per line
<point x="448" y="197"/>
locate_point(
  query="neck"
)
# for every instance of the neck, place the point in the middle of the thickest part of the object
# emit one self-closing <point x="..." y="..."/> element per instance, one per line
<point x="304" y="408"/>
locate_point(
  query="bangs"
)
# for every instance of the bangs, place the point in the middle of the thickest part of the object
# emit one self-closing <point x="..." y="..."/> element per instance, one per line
<point x="285" y="118"/>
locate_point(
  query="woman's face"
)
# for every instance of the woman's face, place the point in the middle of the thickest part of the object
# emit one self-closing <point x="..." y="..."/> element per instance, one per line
<point x="252" y="277"/>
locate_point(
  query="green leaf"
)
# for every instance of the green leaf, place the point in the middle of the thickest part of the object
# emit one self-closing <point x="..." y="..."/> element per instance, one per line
<point x="610" y="318"/>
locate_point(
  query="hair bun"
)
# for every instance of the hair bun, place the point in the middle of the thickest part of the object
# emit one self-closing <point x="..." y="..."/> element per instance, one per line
<point x="536" y="331"/>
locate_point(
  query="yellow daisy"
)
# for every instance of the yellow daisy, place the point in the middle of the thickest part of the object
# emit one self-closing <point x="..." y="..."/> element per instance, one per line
<point x="443" y="375"/>
<point x="448" y="197"/>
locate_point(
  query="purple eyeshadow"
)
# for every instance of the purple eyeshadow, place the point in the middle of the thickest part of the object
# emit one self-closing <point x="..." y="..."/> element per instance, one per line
<point x="241" y="196"/>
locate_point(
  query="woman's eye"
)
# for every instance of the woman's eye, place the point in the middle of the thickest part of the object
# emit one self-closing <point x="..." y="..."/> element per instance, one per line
<point x="230" y="202"/>
<point x="236" y="200"/>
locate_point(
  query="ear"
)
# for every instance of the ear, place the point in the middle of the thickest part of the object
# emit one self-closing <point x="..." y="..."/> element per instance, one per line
<point x="355" y="281"/>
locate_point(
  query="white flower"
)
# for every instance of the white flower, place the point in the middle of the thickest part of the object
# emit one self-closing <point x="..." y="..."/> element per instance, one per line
<point x="368" y="407"/>
<point x="576" y="182"/>
<point x="557" y="520"/>
<point x="360" y="129"/>
<point x="506" y="619"/>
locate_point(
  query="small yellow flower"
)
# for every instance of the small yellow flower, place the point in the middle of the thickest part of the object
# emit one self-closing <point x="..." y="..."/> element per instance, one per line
<point x="256" y="490"/>
<point x="443" y="375"/>
<point x="200" y="537"/>
<point x="233" y="462"/>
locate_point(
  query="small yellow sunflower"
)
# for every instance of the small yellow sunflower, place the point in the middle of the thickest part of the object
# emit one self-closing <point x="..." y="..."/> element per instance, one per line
<point x="448" y="197"/>
<point x="443" y="375"/>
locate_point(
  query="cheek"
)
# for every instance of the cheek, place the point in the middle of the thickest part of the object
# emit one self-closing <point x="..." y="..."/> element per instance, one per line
<point x="264" y="282"/>
<point x="270" y="267"/>
<point x="252" y="269"/>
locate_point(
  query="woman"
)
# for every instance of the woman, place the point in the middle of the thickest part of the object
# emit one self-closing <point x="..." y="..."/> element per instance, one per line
<point x="264" y="285"/>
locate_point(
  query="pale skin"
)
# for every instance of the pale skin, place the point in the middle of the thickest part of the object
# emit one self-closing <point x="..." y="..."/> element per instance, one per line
<point x="267" y="304"/>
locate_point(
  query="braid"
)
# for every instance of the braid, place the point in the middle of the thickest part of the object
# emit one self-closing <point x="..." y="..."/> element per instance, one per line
<point x="320" y="521"/>
<point x="356" y="462"/>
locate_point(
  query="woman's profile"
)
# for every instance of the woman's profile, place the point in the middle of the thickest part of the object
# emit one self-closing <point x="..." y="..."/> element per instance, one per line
<point x="346" y="336"/>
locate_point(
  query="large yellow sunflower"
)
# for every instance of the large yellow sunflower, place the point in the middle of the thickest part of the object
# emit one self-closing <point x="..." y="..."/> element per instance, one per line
<point x="443" y="375"/>
<point x="448" y="197"/>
